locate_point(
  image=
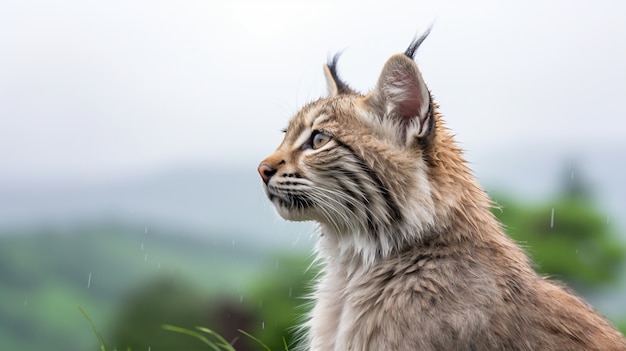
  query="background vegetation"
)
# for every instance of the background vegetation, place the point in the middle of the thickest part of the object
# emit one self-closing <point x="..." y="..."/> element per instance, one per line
<point x="131" y="281"/>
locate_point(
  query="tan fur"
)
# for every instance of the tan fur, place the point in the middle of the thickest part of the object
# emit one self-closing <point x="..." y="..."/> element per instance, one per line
<point x="412" y="257"/>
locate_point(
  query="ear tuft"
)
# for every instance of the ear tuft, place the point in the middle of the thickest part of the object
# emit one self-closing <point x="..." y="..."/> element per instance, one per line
<point x="335" y="84"/>
<point x="415" y="44"/>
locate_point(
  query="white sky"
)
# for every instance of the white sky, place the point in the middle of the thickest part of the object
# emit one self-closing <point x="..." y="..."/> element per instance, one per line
<point x="97" y="89"/>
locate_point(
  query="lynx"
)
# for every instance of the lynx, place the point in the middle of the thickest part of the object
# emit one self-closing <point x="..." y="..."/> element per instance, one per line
<point x="412" y="258"/>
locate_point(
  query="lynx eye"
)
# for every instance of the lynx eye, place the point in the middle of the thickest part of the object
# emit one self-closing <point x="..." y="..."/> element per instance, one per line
<point x="319" y="139"/>
<point x="316" y="141"/>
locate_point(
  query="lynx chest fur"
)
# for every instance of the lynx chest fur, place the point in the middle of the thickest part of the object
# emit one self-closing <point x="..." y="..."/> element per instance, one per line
<point x="412" y="258"/>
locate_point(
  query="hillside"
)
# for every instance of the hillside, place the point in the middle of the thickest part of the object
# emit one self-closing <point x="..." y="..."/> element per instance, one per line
<point x="46" y="275"/>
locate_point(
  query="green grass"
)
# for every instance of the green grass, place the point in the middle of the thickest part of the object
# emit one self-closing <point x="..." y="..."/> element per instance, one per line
<point x="213" y="340"/>
<point x="219" y="343"/>
<point x="103" y="346"/>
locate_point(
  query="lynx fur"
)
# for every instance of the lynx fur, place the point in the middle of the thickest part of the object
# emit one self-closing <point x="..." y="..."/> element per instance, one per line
<point x="412" y="258"/>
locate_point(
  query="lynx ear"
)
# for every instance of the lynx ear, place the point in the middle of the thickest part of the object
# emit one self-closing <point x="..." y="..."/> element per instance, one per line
<point x="402" y="94"/>
<point x="335" y="84"/>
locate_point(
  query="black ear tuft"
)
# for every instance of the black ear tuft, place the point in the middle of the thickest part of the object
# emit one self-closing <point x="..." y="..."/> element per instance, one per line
<point x="415" y="44"/>
<point x="342" y="87"/>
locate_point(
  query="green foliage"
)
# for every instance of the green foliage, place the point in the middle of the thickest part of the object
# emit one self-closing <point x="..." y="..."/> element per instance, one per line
<point x="268" y="310"/>
<point x="219" y="344"/>
<point x="567" y="238"/>
<point x="138" y="324"/>
<point x="47" y="272"/>
<point x="280" y="293"/>
<point x="216" y="343"/>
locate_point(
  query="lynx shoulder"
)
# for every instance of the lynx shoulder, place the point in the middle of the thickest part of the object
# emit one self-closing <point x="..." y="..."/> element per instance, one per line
<point x="412" y="257"/>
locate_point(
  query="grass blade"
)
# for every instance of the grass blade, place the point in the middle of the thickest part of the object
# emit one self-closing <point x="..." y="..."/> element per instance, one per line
<point x="103" y="346"/>
<point x="255" y="339"/>
<point x="192" y="333"/>
<point x="224" y="344"/>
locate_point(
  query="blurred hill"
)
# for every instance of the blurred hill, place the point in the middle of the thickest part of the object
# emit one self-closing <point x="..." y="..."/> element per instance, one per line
<point x="198" y="198"/>
<point x="193" y="200"/>
<point x="540" y="171"/>
<point x="47" y="273"/>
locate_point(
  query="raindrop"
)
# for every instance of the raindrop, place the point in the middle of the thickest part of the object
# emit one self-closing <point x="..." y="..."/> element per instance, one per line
<point x="263" y="325"/>
<point x="552" y="219"/>
<point x="25" y="302"/>
<point x="290" y="291"/>
<point x="295" y="242"/>
<point x="260" y="303"/>
<point x="145" y="230"/>
<point x="142" y="246"/>
<point x="240" y="298"/>
<point x="89" y="281"/>
<point x="145" y="257"/>
<point x="159" y="265"/>
<point x="233" y="242"/>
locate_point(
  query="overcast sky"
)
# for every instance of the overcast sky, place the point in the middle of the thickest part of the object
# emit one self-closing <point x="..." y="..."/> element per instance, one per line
<point x="97" y="89"/>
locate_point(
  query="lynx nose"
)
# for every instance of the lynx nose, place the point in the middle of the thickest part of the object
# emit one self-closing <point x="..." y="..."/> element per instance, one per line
<point x="266" y="171"/>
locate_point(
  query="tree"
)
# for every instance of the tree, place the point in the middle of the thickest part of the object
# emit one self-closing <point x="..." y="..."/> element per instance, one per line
<point x="568" y="237"/>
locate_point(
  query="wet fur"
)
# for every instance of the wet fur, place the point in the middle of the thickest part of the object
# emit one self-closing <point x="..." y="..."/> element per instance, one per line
<point x="412" y="258"/>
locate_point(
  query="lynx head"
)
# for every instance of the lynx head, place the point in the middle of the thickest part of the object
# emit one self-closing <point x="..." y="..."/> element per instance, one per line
<point x="376" y="171"/>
